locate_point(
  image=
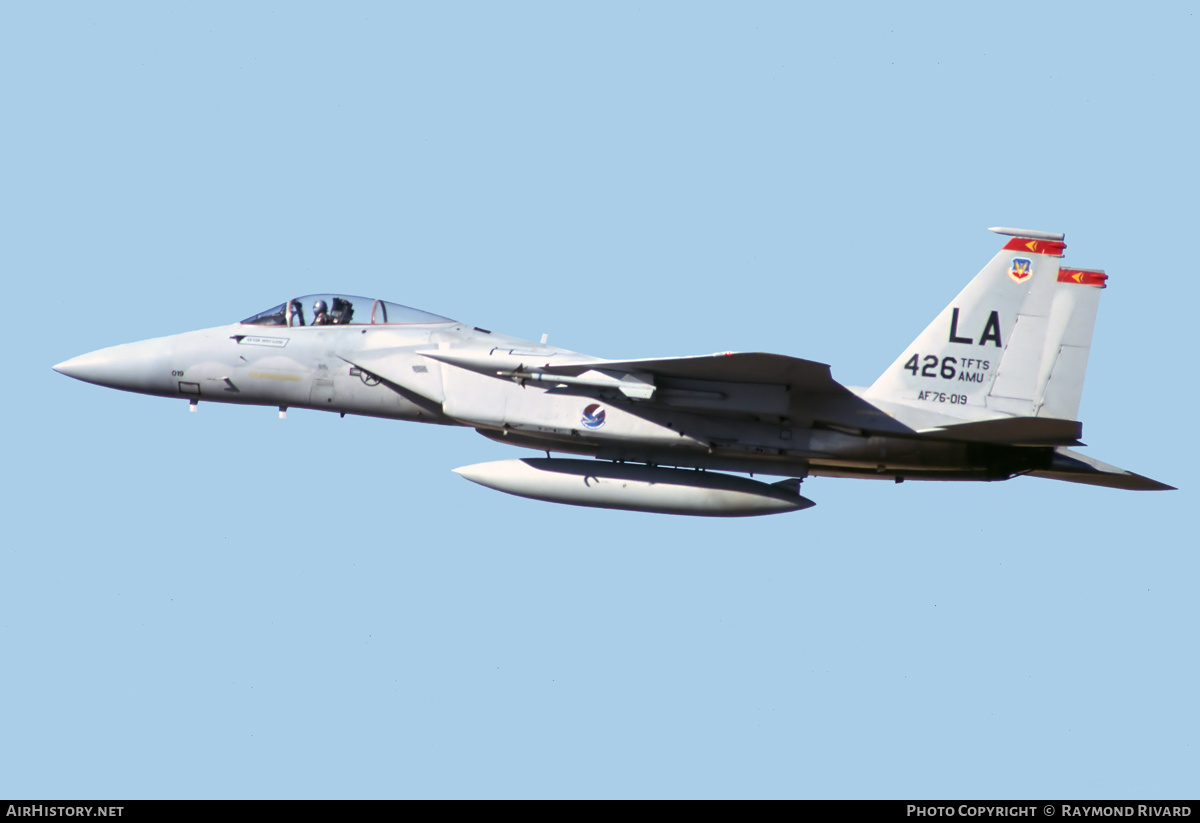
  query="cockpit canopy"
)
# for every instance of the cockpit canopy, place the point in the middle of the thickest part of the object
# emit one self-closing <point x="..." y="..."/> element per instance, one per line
<point x="341" y="310"/>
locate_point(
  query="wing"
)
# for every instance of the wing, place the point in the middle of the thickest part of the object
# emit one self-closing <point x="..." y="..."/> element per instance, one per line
<point x="733" y="367"/>
<point x="754" y="384"/>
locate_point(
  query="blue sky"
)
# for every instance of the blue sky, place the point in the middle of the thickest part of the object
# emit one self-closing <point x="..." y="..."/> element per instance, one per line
<point x="201" y="606"/>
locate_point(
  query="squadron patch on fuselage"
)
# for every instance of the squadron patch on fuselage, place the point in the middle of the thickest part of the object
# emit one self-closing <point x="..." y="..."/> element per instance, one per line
<point x="593" y="416"/>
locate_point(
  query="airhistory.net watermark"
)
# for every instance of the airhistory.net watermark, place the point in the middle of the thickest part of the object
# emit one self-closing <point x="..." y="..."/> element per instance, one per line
<point x="40" y="810"/>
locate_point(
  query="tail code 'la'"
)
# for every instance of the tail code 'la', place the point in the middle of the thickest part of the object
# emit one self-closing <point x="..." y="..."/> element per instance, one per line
<point x="1014" y="342"/>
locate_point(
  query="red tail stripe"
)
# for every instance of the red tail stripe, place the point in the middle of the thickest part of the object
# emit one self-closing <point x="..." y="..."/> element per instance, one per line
<point x="1085" y="277"/>
<point x="1051" y="247"/>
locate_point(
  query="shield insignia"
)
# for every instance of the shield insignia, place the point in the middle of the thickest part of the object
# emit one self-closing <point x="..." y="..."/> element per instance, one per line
<point x="1021" y="269"/>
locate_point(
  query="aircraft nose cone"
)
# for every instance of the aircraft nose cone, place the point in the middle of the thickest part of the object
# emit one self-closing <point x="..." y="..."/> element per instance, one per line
<point x="139" y="367"/>
<point x="78" y="367"/>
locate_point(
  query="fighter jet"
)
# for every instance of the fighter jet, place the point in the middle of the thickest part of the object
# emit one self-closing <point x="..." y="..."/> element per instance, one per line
<point x="990" y="390"/>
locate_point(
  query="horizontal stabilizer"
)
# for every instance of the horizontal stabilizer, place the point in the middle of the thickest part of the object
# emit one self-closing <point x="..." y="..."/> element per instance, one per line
<point x="1074" y="467"/>
<point x="1015" y="431"/>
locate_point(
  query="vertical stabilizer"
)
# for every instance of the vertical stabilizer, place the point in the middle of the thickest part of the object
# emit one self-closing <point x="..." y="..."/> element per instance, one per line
<point x="993" y="351"/>
<point x="1067" y="344"/>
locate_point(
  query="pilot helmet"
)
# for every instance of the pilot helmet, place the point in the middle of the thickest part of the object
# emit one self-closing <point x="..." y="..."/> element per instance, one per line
<point x="319" y="307"/>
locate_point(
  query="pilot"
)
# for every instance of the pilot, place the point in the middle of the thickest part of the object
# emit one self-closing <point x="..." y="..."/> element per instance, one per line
<point x="320" y="315"/>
